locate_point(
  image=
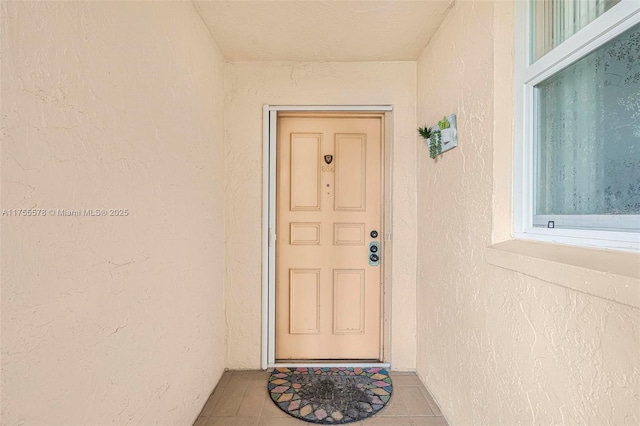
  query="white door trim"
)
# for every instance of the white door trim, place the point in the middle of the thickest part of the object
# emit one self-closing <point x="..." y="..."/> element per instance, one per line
<point x="269" y="140"/>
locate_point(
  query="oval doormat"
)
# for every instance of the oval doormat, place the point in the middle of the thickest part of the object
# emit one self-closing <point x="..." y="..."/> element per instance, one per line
<point x="333" y="395"/>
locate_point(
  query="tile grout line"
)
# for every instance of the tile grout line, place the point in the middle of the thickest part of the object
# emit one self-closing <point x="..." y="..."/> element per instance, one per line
<point x="222" y="389"/>
<point x="223" y="392"/>
<point x="244" y="393"/>
<point x="263" y="402"/>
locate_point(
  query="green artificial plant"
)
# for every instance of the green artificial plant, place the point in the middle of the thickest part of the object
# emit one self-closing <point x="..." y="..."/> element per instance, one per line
<point x="434" y="137"/>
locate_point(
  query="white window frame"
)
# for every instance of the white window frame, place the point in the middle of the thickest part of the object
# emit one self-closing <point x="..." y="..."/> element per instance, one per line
<point x="615" y="21"/>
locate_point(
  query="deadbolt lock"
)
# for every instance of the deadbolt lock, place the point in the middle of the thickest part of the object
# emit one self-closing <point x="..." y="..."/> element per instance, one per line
<point x="374" y="257"/>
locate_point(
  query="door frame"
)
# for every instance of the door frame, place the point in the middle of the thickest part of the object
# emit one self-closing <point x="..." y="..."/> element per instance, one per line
<point x="269" y="155"/>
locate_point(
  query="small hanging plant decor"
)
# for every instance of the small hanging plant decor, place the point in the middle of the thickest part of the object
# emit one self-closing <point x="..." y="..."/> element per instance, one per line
<point x="433" y="140"/>
<point x="440" y="135"/>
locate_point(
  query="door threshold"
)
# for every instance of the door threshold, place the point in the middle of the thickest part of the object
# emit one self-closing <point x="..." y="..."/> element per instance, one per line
<point x="328" y="363"/>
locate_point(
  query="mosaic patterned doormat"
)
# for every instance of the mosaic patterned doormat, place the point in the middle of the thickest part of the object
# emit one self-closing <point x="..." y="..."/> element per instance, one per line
<point x="330" y="395"/>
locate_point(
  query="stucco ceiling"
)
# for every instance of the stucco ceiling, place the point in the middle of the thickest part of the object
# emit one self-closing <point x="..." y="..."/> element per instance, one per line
<point x="333" y="30"/>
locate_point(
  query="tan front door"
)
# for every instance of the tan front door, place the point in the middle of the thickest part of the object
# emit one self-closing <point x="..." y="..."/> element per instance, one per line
<point x="328" y="295"/>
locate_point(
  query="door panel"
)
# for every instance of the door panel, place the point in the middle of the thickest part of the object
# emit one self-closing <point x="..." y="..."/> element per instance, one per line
<point x="328" y="297"/>
<point x="304" y="292"/>
<point x="348" y="301"/>
<point x="305" y="171"/>
<point x="348" y="234"/>
<point x="350" y="172"/>
<point x="305" y="233"/>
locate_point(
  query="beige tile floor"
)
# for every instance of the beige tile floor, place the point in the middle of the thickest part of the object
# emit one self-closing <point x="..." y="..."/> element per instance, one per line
<point x="241" y="398"/>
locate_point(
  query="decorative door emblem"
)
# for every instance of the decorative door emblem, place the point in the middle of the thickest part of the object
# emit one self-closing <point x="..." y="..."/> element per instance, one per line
<point x="328" y="159"/>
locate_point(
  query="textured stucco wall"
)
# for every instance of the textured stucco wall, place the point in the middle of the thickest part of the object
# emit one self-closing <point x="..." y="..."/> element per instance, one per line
<point x="250" y="85"/>
<point x="111" y="320"/>
<point x="496" y="346"/>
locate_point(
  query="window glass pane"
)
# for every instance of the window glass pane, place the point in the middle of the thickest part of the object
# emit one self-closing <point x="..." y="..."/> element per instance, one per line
<point x="588" y="133"/>
<point x="554" y="21"/>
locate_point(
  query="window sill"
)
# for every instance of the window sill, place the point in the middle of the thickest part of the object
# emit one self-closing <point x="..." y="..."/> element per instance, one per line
<point x="606" y="274"/>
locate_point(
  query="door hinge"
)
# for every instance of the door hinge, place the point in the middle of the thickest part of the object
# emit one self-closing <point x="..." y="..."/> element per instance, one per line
<point x="272" y="237"/>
